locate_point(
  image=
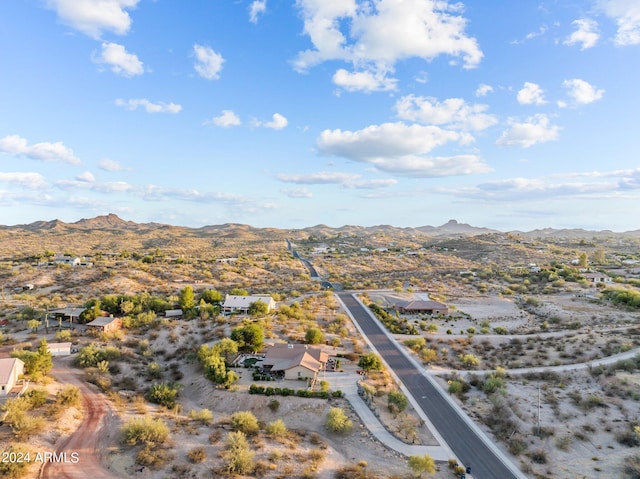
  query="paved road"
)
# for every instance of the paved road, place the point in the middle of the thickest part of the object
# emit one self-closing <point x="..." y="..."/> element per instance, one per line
<point x="460" y="436"/>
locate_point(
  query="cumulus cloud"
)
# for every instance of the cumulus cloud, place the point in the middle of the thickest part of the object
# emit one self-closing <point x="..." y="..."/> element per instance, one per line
<point x="297" y="192"/>
<point x="45" y="151"/>
<point x="278" y="122"/>
<point x="531" y="94"/>
<point x="483" y="90"/>
<point x="626" y="14"/>
<point x="31" y="181"/>
<point x="582" y="92"/>
<point x="365" y="81"/>
<point x="92" y="17"/>
<point x="586" y="34"/>
<point x="374" y="36"/>
<point x="86" y="176"/>
<point x="208" y="63"/>
<point x="454" y="112"/>
<point x="534" y="130"/>
<point x="149" y="107"/>
<point x="401" y="149"/>
<point x="257" y="8"/>
<point x="121" y="62"/>
<point x="226" y="119"/>
<point x="110" y="165"/>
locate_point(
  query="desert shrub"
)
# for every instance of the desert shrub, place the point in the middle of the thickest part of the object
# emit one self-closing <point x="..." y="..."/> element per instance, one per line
<point x="276" y="429"/>
<point x="415" y="344"/>
<point x="632" y="467"/>
<point x="238" y="455"/>
<point x="397" y="400"/>
<point x="354" y="472"/>
<point x="197" y="454"/>
<point x="494" y="384"/>
<point x="469" y="360"/>
<point x="68" y="396"/>
<point x="337" y="421"/>
<point x="274" y="405"/>
<point x="152" y="457"/>
<point x="144" y="430"/>
<point x="14" y="469"/>
<point x="244" y="421"/>
<point x="36" y="397"/>
<point x="539" y="456"/>
<point x="204" y="416"/>
<point x="164" y="394"/>
<point x="428" y="355"/>
<point x="422" y="464"/>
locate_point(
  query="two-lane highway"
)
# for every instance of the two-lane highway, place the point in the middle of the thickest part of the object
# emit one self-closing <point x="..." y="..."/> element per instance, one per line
<point x="459" y="435"/>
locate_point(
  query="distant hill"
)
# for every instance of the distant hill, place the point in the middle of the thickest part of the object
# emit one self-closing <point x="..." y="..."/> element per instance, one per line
<point x="452" y="227"/>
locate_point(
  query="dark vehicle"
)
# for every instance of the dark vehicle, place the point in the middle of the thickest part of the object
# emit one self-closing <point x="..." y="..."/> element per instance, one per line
<point x="468" y="469"/>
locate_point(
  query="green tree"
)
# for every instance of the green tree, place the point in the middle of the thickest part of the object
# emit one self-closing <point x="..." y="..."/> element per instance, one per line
<point x="370" y="362"/>
<point x="187" y="300"/>
<point x="34" y="324"/>
<point x="258" y="308"/>
<point x="211" y="296"/>
<point x="238" y="292"/>
<point x="314" y="336"/>
<point x="337" y="421"/>
<point x="164" y="394"/>
<point x="249" y="337"/>
<point x="422" y="464"/>
<point x="583" y="260"/>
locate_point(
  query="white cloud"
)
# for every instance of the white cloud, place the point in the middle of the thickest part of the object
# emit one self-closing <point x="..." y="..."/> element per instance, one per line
<point x="86" y="176"/>
<point x="110" y="165"/>
<point x="373" y="36"/>
<point x="586" y="34"/>
<point x="401" y="149"/>
<point x="365" y="81"/>
<point x="227" y="119"/>
<point x="535" y="130"/>
<point x="531" y="94"/>
<point x="297" y="192"/>
<point x="581" y="91"/>
<point x="626" y="13"/>
<point x="18" y="146"/>
<point x="452" y="111"/>
<point x="92" y="17"/>
<point x="319" y="178"/>
<point x="121" y="62"/>
<point x="257" y="8"/>
<point x="148" y="106"/>
<point x="347" y="180"/>
<point x="32" y="181"/>
<point x="483" y="90"/>
<point x="208" y="62"/>
<point x="278" y="122"/>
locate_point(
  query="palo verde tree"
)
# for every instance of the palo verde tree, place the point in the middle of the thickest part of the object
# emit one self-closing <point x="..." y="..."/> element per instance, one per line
<point x="249" y="337"/>
<point x="370" y="362"/>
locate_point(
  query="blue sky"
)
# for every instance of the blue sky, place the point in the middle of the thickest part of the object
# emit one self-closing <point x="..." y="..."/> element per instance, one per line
<point x="511" y="115"/>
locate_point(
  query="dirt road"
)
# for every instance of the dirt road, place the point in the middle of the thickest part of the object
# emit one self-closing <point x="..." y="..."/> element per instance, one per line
<point x="79" y="455"/>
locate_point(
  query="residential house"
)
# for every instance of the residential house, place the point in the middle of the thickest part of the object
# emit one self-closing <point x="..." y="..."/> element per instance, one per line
<point x="105" y="324"/>
<point x="10" y="371"/>
<point x="421" y="307"/>
<point x="240" y="304"/>
<point x="69" y="314"/>
<point x="295" y="361"/>
<point x="173" y="313"/>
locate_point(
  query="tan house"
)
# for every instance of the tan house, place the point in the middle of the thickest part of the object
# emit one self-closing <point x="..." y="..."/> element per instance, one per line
<point x="10" y="371"/>
<point x="295" y="361"/>
<point x="106" y="324"/>
<point x="596" y="278"/>
<point x="421" y="307"/>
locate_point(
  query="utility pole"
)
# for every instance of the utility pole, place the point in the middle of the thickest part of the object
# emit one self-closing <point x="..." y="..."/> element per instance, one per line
<point x="538" y="409"/>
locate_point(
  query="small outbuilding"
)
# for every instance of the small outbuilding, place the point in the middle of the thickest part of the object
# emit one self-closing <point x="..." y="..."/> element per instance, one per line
<point x="10" y="371"/>
<point x="421" y="307"/>
<point x="59" y="349"/>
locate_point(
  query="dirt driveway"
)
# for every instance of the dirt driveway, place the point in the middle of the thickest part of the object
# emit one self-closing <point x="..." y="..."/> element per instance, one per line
<point x="79" y="455"/>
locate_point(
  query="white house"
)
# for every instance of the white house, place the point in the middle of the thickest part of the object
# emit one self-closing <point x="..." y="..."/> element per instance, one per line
<point x="597" y="278"/>
<point x="240" y="304"/>
<point x="10" y="371"/>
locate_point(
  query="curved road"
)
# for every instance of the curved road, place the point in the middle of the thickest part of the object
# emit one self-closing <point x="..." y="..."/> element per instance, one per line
<point x="465" y="442"/>
<point x="87" y="440"/>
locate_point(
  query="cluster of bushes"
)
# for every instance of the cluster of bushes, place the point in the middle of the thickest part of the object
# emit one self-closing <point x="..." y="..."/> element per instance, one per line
<point x="303" y="393"/>
<point x="394" y="324"/>
<point x="626" y="297"/>
<point x="91" y="355"/>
